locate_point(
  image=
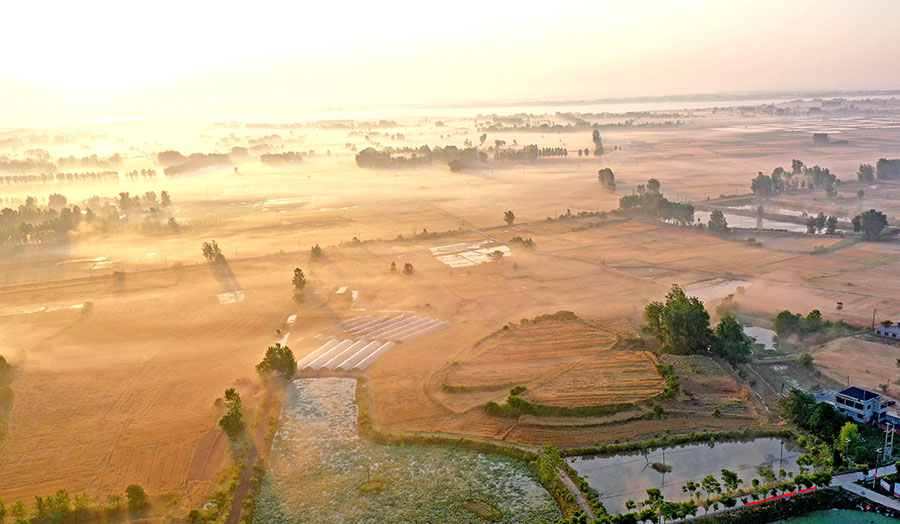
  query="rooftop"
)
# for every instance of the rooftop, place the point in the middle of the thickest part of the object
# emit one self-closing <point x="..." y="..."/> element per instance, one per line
<point x="858" y="394"/>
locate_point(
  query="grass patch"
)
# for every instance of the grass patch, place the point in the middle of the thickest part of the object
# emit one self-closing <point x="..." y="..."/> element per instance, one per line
<point x="373" y="486"/>
<point x="482" y="509"/>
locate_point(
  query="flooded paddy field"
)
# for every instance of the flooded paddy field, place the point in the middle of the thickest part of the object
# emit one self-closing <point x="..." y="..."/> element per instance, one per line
<point x="628" y="476"/>
<point x="322" y="471"/>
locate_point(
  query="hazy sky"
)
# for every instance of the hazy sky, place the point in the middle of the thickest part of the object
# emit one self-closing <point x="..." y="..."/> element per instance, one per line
<point x="91" y="57"/>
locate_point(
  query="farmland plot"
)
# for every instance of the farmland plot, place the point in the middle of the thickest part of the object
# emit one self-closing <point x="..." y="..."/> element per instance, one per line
<point x="322" y="471"/>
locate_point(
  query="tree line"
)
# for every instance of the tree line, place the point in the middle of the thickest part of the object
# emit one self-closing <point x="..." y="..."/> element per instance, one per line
<point x="31" y="223"/>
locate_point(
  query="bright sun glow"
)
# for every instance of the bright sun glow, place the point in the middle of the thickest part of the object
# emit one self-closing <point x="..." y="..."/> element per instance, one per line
<point x="108" y="57"/>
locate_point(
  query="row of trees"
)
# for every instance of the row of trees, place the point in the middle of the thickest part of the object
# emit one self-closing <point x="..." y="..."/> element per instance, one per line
<point x="32" y="223"/>
<point x="681" y="325"/>
<point x="92" y="177"/>
<point x="653" y="204"/>
<point x="799" y="177"/>
<point x="62" y="507"/>
<point x="884" y="170"/>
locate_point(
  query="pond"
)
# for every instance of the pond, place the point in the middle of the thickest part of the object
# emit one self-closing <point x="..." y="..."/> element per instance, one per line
<point x="843" y="516"/>
<point x="745" y="222"/>
<point x="628" y="476"/>
<point x="322" y="471"/>
<point x="763" y="336"/>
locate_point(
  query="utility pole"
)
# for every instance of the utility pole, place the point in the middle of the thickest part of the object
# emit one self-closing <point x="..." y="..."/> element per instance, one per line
<point x="873" y="318"/>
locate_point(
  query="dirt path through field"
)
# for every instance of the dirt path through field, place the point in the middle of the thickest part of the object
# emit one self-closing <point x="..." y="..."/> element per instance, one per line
<point x="579" y="497"/>
<point x="258" y="443"/>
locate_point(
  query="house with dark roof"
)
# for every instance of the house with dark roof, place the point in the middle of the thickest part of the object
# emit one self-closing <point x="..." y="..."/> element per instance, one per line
<point x="861" y="405"/>
<point x="892" y="332"/>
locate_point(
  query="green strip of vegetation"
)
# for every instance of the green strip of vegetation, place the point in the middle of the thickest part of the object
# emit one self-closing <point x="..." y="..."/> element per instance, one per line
<point x="62" y="507"/>
<point x="516" y="406"/>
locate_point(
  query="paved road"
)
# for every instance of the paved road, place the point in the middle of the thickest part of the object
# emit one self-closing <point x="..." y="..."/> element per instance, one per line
<point x="849" y="480"/>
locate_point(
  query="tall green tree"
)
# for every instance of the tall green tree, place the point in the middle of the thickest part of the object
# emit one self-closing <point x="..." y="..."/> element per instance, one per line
<point x="509" y="217"/>
<point x="730" y="342"/>
<point x="233" y="419"/>
<point x="717" y="222"/>
<point x="870" y="223"/>
<point x="137" y="497"/>
<point x="680" y="324"/>
<point x="298" y="280"/>
<point x="847" y="438"/>
<point x="279" y="359"/>
<point x="865" y="173"/>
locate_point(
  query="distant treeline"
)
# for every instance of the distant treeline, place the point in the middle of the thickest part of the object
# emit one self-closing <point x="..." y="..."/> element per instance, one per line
<point x="800" y="176"/>
<point x="174" y="163"/>
<point x="574" y="127"/>
<point x="31" y="223"/>
<point x="44" y="178"/>
<point x="92" y="161"/>
<point x="455" y="157"/>
<point x="278" y="159"/>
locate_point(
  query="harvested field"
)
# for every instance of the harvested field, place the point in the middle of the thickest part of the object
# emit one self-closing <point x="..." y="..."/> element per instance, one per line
<point x="610" y="377"/>
<point x="866" y="364"/>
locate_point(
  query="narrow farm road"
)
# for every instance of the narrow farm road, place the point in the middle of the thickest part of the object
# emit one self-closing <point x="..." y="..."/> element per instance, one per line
<point x="579" y="497"/>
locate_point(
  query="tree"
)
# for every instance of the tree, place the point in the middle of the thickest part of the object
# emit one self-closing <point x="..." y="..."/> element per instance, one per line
<point x="164" y="199"/>
<point x="173" y="226"/>
<point x="690" y="487"/>
<point x="870" y="222"/>
<point x="806" y="359"/>
<point x="393" y="266"/>
<point x="787" y="323"/>
<point x="825" y="420"/>
<point x="211" y="251"/>
<point x="279" y="359"/>
<point x="299" y="279"/>
<point x="654" y="501"/>
<point x="731" y="481"/>
<point x="315" y="252"/>
<point x="232" y="422"/>
<point x="653" y="185"/>
<point x="847" y="438"/>
<point x="717" y="223"/>
<point x="2" y="511"/>
<point x="860" y="194"/>
<point x="831" y="225"/>
<point x="607" y="179"/>
<point x="710" y="485"/>
<point x="408" y="269"/>
<point x="598" y="143"/>
<point x="762" y="185"/>
<point x="811" y="225"/>
<point x="887" y="169"/>
<point x="798" y="407"/>
<point x="681" y="324"/>
<point x="820" y="221"/>
<point x="865" y="173"/>
<point x="509" y="217"/>
<point x="137" y="497"/>
<point x="17" y="510"/>
<point x="796" y="167"/>
<point x="730" y="342"/>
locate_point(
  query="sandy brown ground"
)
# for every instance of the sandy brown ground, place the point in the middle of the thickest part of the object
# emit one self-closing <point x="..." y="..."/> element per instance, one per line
<point x="124" y="393"/>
